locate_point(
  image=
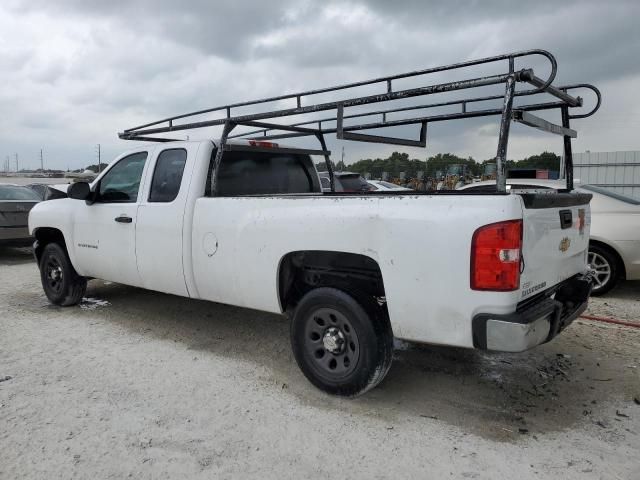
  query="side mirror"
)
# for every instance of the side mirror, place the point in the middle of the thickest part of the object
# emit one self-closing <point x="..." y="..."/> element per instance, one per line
<point x="79" y="191"/>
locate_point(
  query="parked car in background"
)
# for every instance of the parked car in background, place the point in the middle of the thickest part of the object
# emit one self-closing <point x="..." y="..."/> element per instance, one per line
<point x="614" y="246"/>
<point x="382" y="186"/>
<point x="49" y="192"/>
<point x="345" y="182"/>
<point x="16" y="202"/>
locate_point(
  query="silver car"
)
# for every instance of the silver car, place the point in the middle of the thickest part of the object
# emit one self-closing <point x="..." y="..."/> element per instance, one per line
<point x="15" y="203"/>
<point x="614" y="247"/>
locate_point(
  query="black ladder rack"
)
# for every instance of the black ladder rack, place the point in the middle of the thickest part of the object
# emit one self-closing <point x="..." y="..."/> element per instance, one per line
<point x="263" y="121"/>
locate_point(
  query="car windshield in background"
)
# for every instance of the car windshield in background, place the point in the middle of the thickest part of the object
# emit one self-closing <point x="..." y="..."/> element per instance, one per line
<point x="354" y="183"/>
<point x="610" y="194"/>
<point x="388" y="184"/>
<point x="15" y="192"/>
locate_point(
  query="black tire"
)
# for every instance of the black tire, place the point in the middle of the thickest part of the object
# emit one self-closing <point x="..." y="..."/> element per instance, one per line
<point x="343" y="346"/>
<point x="60" y="282"/>
<point x="605" y="268"/>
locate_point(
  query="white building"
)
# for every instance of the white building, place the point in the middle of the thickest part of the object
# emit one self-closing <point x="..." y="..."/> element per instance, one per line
<point x="615" y="171"/>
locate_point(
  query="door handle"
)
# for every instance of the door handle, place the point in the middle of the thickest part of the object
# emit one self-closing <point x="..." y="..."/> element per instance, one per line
<point x="566" y="219"/>
<point x="123" y="219"/>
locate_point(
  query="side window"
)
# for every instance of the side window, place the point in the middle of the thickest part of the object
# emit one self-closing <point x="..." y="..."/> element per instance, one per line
<point x="262" y="173"/>
<point x="167" y="175"/>
<point x="122" y="182"/>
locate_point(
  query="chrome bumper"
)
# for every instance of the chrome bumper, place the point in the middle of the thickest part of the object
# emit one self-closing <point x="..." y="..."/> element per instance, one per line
<point x="535" y="321"/>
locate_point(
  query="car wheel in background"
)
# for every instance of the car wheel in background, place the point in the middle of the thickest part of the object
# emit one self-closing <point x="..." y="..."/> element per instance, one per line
<point x="603" y="265"/>
<point x="343" y="346"/>
<point x="60" y="282"/>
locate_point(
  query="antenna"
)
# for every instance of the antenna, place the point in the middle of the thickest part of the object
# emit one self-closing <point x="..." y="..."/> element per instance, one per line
<point x="41" y="161"/>
<point x="17" y="169"/>
<point x="99" y="161"/>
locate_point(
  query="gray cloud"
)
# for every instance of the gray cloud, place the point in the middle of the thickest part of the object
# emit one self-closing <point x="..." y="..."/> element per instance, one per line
<point x="76" y="72"/>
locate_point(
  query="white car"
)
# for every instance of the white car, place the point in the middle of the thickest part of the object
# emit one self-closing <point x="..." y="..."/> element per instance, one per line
<point x="382" y="186"/>
<point x="614" y="247"/>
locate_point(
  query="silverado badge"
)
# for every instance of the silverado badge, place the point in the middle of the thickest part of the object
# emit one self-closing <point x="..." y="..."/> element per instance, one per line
<point x="564" y="244"/>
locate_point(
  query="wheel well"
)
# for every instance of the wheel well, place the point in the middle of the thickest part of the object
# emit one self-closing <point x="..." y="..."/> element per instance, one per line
<point x="46" y="235"/>
<point x="302" y="271"/>
<point x="622" y="272"/>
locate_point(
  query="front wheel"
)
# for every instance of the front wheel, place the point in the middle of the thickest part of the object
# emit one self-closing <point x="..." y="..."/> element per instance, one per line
<point x="60" y="282"/>
<point x="603" y="266"/>
<point x="342" y="346"/>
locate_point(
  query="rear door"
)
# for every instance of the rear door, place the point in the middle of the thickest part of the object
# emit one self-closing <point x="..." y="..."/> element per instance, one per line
<point x="555" y="239"/>
<point x="160" y="225"/>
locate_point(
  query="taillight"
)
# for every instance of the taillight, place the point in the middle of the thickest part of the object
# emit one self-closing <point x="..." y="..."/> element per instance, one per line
<point x="263" y="144"/>
<point x="495" y="256"/>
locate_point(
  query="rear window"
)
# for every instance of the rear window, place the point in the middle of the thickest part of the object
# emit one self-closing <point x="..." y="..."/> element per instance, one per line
<point x="167" y="176"/>
<point x="265" y="173"/>
<point x="354" y="183"/>
<point x="15" y="192"/>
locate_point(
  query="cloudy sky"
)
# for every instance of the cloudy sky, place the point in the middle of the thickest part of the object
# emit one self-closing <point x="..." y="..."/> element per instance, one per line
<point x="75" y="72"/>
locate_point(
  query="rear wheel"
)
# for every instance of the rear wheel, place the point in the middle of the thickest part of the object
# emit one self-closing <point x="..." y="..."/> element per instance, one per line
<point x="60" y="282"/>
<point x="342" y="345"/>
<point x="603" y="266"/>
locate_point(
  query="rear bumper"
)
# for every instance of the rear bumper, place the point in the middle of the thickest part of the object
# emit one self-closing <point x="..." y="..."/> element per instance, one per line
<point x="535" y="321"/>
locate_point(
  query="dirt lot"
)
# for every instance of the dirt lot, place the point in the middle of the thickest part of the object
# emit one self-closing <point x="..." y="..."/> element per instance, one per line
<point x="139" y="384"/>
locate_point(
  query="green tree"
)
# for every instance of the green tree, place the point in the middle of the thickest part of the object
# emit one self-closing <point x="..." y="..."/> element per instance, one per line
<point x="544" y="161"/>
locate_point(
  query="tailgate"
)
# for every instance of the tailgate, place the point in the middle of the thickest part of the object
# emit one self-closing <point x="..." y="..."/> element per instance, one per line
<point x="555" y="239"/>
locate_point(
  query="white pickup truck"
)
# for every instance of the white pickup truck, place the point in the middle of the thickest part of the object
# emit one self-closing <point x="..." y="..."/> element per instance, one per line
<point x="245" y="222"/>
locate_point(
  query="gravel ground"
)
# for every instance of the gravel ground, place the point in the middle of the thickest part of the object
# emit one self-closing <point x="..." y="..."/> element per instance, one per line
<point x="138" y="384"/>
<point x="622" y="304"/>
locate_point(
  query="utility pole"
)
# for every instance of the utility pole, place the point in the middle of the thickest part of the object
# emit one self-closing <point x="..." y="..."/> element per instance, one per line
<point x="99" y="161"/>
<point x="17" y="169"/>
<point x="41" y="162"/>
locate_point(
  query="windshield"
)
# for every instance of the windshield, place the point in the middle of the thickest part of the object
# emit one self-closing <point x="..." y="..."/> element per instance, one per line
<point x="354" y="183"/>
<point x="15" y="192"/>
<point x="610" y="194"/>
<point x="388" y="184"/>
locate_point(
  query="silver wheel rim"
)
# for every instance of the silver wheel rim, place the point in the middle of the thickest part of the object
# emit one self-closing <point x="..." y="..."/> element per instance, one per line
<point x="600" y="270"/>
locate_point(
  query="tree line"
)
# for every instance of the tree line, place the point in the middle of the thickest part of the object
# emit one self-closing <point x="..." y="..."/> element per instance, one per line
<point x="398" y="162"/>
